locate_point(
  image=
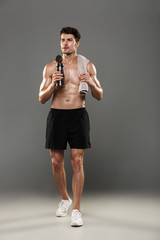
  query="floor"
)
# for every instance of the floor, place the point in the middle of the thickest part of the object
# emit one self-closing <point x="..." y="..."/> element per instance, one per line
<point x="112" y="216"/>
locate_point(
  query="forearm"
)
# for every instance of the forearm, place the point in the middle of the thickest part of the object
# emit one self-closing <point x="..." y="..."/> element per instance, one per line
<point x="45" y="95"/>
<point x="97" y="92"/>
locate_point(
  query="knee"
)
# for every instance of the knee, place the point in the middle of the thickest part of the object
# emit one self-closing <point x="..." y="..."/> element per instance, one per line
<point x="57" y="163"/>
<point x="77" y="163"/>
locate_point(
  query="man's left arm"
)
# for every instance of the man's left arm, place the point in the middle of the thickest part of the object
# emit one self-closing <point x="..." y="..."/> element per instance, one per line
<point x="91" y="78"/>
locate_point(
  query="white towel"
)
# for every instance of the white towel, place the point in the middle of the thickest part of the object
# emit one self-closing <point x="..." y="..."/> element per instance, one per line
<point x="82" y="68"/>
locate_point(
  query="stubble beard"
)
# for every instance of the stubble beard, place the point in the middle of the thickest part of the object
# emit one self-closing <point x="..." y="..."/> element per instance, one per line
<point x="69" y="53"/>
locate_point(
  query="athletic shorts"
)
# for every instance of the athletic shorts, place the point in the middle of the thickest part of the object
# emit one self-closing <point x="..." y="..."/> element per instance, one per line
<point x="67" y="125"/>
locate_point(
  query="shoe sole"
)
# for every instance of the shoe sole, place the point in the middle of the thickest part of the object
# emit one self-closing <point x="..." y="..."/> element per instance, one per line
<point x="76" y="225"/>
<point x="61" y="215"/>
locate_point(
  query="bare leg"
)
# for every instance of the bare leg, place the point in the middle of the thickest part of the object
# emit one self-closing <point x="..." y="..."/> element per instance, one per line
<point x="57" y="157"/>
<point x="78" y="176"/>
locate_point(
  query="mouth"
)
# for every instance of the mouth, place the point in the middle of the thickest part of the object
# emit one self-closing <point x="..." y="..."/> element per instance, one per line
<point x="65" y="48"/>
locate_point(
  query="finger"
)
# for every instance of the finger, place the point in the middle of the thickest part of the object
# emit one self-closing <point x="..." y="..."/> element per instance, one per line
<point x="85" y="74"/>
<point x="57" y="76"/>
<point x="82" y="76"/>
<point x="58" y="73"/>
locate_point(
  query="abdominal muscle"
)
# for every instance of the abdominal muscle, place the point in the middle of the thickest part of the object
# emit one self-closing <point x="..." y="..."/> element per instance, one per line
<point x="68" y="97"/>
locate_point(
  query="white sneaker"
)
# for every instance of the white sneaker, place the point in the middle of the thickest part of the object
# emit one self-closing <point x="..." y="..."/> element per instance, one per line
<point x="63" y="208"/>
<point x="76" y="218"/>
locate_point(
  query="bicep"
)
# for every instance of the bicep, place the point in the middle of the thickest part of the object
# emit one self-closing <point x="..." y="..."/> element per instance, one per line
<point x="93" y="73"/>
<point x="96" y="81"/>
<point x="46" y="79"/>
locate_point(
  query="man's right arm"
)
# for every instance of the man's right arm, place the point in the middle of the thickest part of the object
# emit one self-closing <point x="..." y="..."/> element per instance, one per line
<point x="47" y="86"/>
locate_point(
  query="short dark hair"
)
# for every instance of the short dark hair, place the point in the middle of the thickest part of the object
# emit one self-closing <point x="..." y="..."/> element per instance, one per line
<point x="71" y="30"/>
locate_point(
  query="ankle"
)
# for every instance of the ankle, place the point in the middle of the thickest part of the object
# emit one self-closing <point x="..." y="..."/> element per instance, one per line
<point x="65" y="197"/>
<point x="78" y="208"/>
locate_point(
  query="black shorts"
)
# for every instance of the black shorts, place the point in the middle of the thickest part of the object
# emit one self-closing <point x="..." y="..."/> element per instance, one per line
<point x="67" y="125"/>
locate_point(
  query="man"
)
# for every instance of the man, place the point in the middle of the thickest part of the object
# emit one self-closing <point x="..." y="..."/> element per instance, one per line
<point x="68" y="119"/>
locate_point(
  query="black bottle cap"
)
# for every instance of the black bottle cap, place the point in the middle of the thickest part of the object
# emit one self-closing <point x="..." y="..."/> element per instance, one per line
<point x="59" y="58"/>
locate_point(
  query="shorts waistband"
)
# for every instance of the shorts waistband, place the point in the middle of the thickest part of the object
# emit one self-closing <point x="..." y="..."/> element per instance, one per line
<point x="68" y="110"/>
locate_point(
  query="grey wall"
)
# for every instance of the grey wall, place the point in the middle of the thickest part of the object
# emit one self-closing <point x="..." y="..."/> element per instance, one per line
<point x="122" y="39"/>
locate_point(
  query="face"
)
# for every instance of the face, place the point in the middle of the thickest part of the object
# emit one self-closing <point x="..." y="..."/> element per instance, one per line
<point x="68" y="44"/>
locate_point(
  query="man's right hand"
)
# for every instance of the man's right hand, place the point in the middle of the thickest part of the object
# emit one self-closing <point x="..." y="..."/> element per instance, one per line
<point x="56" y="76"/>
<point x="48" y="85"/>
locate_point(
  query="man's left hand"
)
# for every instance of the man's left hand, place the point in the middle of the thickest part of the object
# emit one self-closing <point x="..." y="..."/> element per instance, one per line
<point x="85" y="77"/>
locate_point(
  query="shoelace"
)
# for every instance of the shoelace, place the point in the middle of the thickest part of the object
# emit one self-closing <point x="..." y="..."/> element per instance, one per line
<point x="63" y="205"/>
<point x="76" y="214"/>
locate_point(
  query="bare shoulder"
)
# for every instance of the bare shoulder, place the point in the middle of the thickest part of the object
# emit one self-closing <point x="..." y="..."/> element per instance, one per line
<point x="49" y="68"/>
<point x="48" y="71"/>
<point x="91" y="69"/>
<point x="51" y="64"/>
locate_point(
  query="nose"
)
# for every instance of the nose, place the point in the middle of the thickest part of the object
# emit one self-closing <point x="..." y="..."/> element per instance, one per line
<point x="65" y="45"/>
<point x="64" y="42"/>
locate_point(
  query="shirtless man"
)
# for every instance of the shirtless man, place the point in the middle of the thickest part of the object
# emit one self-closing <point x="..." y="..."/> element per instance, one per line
<point x="68" y="120"/>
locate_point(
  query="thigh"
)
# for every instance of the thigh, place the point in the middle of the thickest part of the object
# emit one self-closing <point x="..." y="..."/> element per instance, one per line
<point x="76" y="153"/>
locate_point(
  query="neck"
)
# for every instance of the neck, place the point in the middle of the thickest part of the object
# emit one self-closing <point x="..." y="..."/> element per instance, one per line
<point x="69" y="58"/>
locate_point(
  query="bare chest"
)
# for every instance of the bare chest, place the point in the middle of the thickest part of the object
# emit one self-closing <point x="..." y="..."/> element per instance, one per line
<point x="71" y="74"/>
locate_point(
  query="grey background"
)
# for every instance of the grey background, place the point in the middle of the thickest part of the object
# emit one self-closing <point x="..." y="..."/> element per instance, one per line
<point x="122" y="39"/>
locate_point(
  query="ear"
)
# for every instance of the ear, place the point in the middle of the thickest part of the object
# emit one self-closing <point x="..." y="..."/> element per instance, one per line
<point x="77" y="44"/>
